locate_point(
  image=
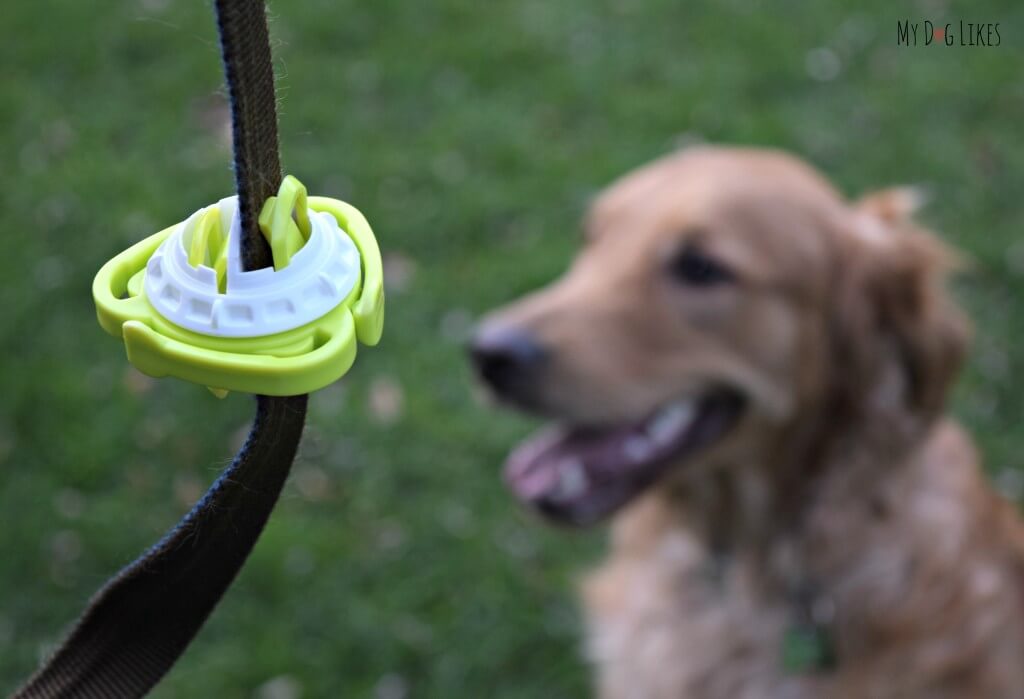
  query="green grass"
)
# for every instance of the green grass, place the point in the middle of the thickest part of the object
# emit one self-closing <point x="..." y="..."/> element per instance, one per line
<point x="472" y="135"/>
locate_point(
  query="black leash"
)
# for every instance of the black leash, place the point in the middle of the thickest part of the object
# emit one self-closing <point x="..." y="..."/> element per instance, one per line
<point x="142" y="620"/>
<point x="249" y="73"/>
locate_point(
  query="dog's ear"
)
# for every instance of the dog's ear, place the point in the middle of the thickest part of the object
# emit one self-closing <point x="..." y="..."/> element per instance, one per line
<point x="900" y="338"/>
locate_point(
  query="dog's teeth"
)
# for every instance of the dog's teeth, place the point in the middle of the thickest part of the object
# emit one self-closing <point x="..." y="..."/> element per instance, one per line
<point x="572" y="479"/>
<point x="638" y="448"/>
<point x="670" y="420"/>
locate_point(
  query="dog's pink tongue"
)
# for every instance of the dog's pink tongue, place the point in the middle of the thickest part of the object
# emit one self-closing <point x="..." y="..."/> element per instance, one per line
<point x="565" y="465"/>
<point x="529" y="471"/>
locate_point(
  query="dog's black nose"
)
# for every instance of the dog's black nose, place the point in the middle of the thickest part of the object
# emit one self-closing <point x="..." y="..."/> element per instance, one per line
<point x="507" y="358"/>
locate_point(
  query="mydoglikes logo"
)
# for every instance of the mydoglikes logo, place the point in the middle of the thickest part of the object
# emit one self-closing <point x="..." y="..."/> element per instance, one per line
<point x="959" y="33"/>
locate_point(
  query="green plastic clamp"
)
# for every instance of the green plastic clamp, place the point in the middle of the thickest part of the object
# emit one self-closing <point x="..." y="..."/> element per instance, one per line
<point x="297" y="361"/>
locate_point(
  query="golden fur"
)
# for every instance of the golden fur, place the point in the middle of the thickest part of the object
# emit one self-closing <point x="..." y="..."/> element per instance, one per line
<point x="843" y="490"/>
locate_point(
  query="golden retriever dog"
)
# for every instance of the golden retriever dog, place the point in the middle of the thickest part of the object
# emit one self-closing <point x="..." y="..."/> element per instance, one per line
<point x="748" y="373"/>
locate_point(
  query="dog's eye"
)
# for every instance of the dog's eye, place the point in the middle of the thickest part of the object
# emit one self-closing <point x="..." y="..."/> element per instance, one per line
<point x="694" y="267"/>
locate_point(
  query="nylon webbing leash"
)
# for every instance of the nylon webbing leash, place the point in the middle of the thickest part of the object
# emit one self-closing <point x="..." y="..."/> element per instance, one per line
<point x="138" y="625"/>
<point x="249" y="74"/>
<point x="141" y="621"/>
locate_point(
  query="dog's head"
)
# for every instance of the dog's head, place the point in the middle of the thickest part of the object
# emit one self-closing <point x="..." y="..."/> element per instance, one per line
<point x="723" y="296"/>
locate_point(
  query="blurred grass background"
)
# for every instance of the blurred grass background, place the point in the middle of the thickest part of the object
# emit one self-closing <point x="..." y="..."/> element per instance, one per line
<point x="472" y="135"/>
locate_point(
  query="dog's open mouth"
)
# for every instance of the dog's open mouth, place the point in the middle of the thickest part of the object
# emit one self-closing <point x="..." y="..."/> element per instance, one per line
<point x="579" y="475"/>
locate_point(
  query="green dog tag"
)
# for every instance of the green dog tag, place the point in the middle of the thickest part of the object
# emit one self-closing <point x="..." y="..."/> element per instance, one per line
<point x="806" y="649"/>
